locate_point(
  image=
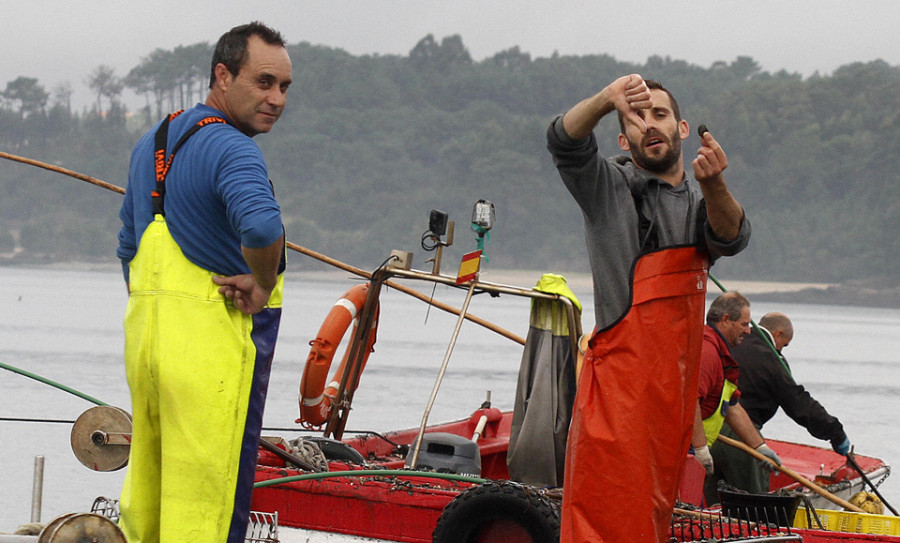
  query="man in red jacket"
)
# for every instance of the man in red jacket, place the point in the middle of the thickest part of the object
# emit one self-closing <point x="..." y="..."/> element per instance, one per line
<point x="727" y="322"/>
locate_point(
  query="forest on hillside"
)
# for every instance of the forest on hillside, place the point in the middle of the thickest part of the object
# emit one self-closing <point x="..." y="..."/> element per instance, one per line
<point x="370" y="144"/>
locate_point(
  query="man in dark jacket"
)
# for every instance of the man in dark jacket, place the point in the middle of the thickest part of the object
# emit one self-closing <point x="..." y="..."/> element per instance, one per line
<point x="767" y="384"/>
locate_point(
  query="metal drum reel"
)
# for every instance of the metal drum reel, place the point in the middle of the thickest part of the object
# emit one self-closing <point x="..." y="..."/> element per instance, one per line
<point x="81" y="528"/>
<point x="101" y="438"/>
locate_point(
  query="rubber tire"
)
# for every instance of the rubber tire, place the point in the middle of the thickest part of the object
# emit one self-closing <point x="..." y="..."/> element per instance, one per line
<point x="337" y="450"/>
<point x="463" y="518"/>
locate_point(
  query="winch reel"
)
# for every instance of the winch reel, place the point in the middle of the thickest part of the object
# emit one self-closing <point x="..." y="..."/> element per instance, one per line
<point x="81" y="527"/>
<point x="101" y="438"/>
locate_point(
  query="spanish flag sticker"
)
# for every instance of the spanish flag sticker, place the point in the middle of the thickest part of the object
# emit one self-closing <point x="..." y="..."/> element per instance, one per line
<point x="468" y="268"/>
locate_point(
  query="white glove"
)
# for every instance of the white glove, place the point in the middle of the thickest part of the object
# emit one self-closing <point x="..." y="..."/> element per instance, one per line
<point x="765" y="450"/>
<point x="705" y="458"/>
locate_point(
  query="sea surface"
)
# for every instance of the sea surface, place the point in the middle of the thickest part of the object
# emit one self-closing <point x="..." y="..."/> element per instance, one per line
<point x="66" y="326"/>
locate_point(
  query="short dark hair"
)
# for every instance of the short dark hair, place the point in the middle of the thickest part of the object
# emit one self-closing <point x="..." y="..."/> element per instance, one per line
<point x="731" y="304"/>
<point x="231" y="49"/>
<point x="655" y="85"/>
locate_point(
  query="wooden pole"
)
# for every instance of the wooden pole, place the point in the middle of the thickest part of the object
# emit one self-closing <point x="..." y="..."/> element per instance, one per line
<point x="58" y="169"/>
<point x="792" y="474"/>
<point x="406" y="290"/>
<point x="293" y="246"/>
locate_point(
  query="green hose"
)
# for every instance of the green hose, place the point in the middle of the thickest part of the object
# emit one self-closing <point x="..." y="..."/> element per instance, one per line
<point x="51" y="383"/>
<point x="371" y="473"/>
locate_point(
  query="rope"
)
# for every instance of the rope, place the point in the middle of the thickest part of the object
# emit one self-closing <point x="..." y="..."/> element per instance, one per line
<point x="24" y="419"/>
<point x="371" y="473"/>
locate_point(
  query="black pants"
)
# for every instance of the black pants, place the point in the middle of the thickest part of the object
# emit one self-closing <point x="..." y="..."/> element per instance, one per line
<point x="735" y="467"/>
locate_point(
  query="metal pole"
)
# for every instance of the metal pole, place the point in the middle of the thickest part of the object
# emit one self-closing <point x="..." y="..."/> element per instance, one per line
<point x="37" y="488"/>
<point x="855" y="465"/>
<point x="440" y="377"/>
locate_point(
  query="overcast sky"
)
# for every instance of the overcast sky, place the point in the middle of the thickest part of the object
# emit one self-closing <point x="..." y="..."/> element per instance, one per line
<point x="64" y="40"/>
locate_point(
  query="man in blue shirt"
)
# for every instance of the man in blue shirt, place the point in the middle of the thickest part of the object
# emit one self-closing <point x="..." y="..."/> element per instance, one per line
<point x="202" y="248"/>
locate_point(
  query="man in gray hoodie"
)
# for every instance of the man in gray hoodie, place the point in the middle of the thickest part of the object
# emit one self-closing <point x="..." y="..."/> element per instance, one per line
<point x="651" y="234"/>
<point x="608" y="189"/>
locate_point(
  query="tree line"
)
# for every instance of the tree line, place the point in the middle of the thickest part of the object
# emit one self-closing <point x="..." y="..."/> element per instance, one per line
<point x="370" y="144"/>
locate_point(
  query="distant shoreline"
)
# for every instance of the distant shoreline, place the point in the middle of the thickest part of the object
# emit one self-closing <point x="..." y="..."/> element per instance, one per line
<point x="872" y="293"/>
<point x="882" y="292"/>
<point x="876" y="292"/>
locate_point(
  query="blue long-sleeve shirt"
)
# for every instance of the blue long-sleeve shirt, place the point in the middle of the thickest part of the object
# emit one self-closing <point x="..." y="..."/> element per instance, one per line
<point x="218" y="195"/>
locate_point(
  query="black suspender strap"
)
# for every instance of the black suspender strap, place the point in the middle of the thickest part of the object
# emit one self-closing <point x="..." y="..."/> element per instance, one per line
<point x="648" y="237"/>
<point x="163" y="163"/>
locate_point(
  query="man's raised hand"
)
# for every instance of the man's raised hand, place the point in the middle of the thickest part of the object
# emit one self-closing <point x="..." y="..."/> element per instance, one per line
<point x="631" y="96"/>
<point x="711" y="160"/>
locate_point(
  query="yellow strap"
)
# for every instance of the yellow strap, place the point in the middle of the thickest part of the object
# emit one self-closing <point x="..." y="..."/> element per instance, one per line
<point x="713" y="425"/>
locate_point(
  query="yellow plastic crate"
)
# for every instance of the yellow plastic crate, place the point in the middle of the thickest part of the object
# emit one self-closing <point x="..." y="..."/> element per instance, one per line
<point x="850" y="521"/>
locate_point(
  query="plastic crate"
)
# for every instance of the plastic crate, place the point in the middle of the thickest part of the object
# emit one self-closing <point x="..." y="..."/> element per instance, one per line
<point x="850" y="522"/>
<point x="779" y="509"/>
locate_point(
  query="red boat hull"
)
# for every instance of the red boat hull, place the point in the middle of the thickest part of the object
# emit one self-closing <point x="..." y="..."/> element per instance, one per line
<point x="407" y="508"/>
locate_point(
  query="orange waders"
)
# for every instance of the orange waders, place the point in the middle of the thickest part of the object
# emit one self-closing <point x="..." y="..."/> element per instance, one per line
<point x="634" y="408"/>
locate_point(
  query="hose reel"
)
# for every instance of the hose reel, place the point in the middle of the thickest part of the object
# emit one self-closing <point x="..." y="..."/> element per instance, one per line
<point x="101" y="438"/>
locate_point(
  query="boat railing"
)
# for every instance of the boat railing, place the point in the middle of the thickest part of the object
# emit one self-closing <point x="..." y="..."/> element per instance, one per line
<point x="356" y="350"/>
<point x="573" y="318"/>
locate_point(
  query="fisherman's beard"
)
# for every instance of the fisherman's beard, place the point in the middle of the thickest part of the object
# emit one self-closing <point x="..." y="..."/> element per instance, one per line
<point x="657" y="164"/>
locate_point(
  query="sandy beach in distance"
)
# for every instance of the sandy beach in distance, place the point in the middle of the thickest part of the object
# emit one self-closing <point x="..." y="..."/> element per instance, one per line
<point x="581" y="282"/>
<point x="873" y="292"/>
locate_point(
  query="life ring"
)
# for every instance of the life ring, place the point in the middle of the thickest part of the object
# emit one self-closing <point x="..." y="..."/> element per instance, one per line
<point x="498" y="511"/>
<point x="316" y="399"/>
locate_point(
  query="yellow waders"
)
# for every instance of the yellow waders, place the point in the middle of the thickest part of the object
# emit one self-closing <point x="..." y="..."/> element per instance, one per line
<point x="198" y="370"/>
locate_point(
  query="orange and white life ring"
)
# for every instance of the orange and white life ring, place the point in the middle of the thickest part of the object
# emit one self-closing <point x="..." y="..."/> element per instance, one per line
<point x="316" y="399"/>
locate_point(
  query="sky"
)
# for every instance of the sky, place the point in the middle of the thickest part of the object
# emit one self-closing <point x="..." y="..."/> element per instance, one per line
<point x="64" y="40"/>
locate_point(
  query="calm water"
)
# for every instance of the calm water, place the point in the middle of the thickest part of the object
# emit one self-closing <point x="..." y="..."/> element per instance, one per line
<point x="66" y="326"/>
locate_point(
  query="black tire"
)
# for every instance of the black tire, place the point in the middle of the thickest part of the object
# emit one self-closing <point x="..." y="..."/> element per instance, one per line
<point x="510" y="510"/>
<point x="337" y="450"/>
